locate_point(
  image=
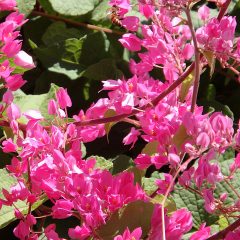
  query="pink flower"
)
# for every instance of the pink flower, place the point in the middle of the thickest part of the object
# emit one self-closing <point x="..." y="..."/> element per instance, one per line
<point x="5" y="69"/>
<point x="16" y="167"/>
<point x="7" y="5"/>
<point x="33" y="114"/>
<point x="16" y="18"/>
<point x="22" y="230"/>
<point x="63" y="98"/>
<point x="143" y="161"/>
<point x="62" y="209"/>
<point x="203" y="140"/>
<point x="146" y="10"/>
<point x="127" y="235"/>
<point x="79" y="232"/>
<point x="52" y="107"/>
<point x="180" y="222"/>
<point x="209" y="204"/>
<point x="131" y="42"/>
<point x="236" y="164"/>
<point x="24" y="60"/>
<point x="131" y="23"/>
<point x="11" y="48"/>
<point x="7" y="97"/>
<point x="125" y="4"/>
<point x="51" y="233"/>
<point x="176" y="225"/>
<point x="202" y="234"/>
<point x="164" y="184"/>
<point x="132" y="137"/>
<point x="204" y="13"/>
<point x="188" y="51"/>
<point x="9" y="146"/>
<point x="14" y="82"/>
<point x="186" y="177"/>
<point x="13" y="112"/>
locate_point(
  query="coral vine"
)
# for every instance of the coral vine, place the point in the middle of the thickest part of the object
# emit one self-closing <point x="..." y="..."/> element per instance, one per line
<point x="48" y="161"/>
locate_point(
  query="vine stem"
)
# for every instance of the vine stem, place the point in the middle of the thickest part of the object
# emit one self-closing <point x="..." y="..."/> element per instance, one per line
<point x="154" y="102"/>
<point x="75" y="23"/>
<point x="181" y="168"/>
<point x="197" y="69"/>
<point x="223" y="233"/>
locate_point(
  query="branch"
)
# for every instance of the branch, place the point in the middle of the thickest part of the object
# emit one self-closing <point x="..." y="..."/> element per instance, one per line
<point x="223" y="9"/>
<point x="197" y="70"/>
<point x="154" y="102"/>
<point x="223" y="233"/>
<point x="78" y="24"/>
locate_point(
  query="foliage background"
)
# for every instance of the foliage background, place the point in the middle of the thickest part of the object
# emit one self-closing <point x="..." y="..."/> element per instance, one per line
<point x="78" y="58"/>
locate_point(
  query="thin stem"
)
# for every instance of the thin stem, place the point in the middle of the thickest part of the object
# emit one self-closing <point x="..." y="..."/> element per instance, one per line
<point x="223" y="9"/>
<point x="197" y="69"/>
<point x="182" y="167"/>
<point x="75" y="23"/>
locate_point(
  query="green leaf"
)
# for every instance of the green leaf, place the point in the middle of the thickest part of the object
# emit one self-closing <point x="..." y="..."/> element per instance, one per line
<point x="51" y="58"/>
<point x="100" y="12"/>
<point x="187" y="83"/>
<point x="138" y="174"/>
<point x="109" y="125"/>
<point x="105" y="69"/>
<point x="102" y="163"/>
<point x="83" y="150"/>
<point x="180" y="136"/>
<point x="62" y="51"/>
<point x="121" y="163"/>
<point x="186" y="199"/>
<point x="151" y="148"/>
<point x="149" y="185"/>
<point x="58" y="32"/>
<point x="222" y="222"/>
<point x="7" y="212"/>
<point x="95" y="48"/>
<point x="211" y="92"/>
<point x="170" y="204"/>
<point x="45" y="4"/>
<point x="35" y="102"/>
<point x="73" y="49"/>
<point x="73" y="7"/>
<point x="25" y="6"/>
<point x="136" y="214"/>
<point x="217" y="106"/>
<point x="211" y="59"/>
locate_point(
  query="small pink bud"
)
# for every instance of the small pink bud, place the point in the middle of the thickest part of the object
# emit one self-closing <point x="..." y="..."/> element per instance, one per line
<point x="131" y="42"/>
<point x="8" y="97"/>
<point x="13" y="112"/>
<point x="63" y="98"/>
<point x="204" y="13"/>
<point x="24" y="60"/>
<point x="223" y="197"/>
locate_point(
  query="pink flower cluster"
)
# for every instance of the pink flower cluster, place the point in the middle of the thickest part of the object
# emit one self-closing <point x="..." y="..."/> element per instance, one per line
<point x="11" y="49"/>
<point x="218" y="36"/>
<point x="58" y="171"/>
<point x="48" y="161"/>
